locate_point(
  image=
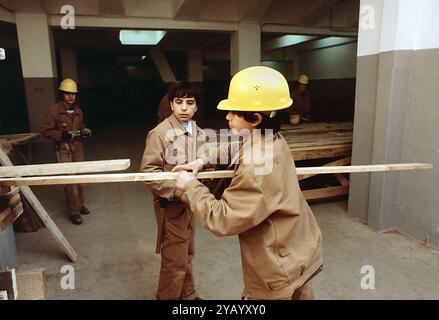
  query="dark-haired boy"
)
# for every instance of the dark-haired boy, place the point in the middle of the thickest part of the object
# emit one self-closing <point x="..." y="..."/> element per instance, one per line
<point x="170" y="143"/>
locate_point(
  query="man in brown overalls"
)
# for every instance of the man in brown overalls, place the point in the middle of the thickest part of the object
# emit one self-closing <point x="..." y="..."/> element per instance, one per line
<point x="300" y="111"/>
<point x="64" y="124"/>
<point x="170" y="143"/>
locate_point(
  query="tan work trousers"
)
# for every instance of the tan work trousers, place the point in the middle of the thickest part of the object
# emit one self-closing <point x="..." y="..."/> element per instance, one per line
<point x="74" y="192"/>
<point x="176" y="280"/>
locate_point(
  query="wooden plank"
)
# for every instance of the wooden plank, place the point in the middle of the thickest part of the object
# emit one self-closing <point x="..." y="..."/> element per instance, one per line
<point x="342" y="179"/>
<point x="6" y="146"/>
<point x="316" y="137"/>
<point x="42" y="213"/>
<point x="319" y="144"/>
<point x="19" y="138"/>
<point x="7" y="220"/>
<point x="65" y="168"/>
<point x="5" y="211"/>
<point x="340" y="162"/>
<point x="32" y="285"/>
<point x="4" y="190"/>
<point x="14" y="190"/>
<point x="158" y="176"/>
<point x="14" y="201"/>
<point x="324" y="193"/>
<point x="311" y="153"/>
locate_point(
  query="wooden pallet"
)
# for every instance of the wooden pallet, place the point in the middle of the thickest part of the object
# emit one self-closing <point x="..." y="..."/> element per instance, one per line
<point x="327" y="141"/>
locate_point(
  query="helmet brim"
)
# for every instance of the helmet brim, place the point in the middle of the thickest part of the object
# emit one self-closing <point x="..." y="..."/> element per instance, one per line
<point x="227" y="106"/>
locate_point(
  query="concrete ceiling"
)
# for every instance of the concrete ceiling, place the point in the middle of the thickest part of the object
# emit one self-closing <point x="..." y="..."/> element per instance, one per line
<point x="328" y="13"/>
<point x="318" y="14"/>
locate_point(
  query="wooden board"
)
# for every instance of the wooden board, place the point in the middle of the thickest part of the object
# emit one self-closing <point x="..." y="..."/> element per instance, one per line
<point x="8" y="217"/>
<point x="65" y="168"/>
<point x="325" y="193"/>
<point x="220" y="174"/>
<point x="18" y="138"/>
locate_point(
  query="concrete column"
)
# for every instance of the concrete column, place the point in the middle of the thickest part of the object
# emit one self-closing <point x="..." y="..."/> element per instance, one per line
<point x="245" y="47"/>
<point x="38" y="65"/>
<point x="69" y="65"/>
<point x="394" y="123"/>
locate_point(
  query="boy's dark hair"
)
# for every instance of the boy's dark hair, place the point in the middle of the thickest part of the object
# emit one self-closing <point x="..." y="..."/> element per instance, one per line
<point x="266" y="123"/>
<point x="182" y="89"/>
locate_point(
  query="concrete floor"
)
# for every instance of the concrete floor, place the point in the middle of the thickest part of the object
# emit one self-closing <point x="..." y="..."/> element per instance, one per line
<point x="115" y="246"/>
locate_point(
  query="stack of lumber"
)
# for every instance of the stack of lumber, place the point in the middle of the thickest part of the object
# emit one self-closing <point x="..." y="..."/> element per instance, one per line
<point x="10" y="206"/>
<point x="319" y="140"/>
<point x="9" y="140"/>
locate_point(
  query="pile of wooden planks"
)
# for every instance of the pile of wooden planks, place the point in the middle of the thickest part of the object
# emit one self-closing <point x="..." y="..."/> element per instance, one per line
<point x="9" y="140"/>
<point x="319" y="140"/>
<point x="11" y="206"/>
<point x="331" y="142"/>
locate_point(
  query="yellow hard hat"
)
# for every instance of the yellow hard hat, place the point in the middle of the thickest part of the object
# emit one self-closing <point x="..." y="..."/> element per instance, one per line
<point x="68" y="85"/>
<point x="303" y="79"/>
<point x="257" y="89"/>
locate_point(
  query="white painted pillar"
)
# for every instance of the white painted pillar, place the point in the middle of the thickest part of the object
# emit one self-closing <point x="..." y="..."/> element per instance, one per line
<point x="38" y="64"/>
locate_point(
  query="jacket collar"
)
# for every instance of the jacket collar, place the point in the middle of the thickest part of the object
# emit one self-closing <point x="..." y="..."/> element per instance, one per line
<point x="178" y="127"/>
<point x="63" y="108"/>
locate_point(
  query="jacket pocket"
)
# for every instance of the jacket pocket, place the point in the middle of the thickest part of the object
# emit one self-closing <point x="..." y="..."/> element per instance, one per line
<point x="175" y="210"/>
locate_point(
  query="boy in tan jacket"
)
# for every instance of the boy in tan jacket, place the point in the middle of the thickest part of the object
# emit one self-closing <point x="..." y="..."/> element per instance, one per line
<point x="170" y="143"/>
<point x="281" y="243"/>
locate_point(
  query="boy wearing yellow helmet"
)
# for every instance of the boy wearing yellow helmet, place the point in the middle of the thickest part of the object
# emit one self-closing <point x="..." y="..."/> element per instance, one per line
<point x="281" y="243"/>
<point x="301" y="109"/>
<point x="64" y="124"/>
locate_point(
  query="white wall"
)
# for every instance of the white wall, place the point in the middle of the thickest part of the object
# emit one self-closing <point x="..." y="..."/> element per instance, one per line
<point x="391" y="25"/>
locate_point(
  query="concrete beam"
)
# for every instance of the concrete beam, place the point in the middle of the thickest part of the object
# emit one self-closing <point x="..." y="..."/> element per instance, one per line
<point x="252" y="10"/>
<point x="6" y="16"/>
<point x="326" y="43"/>
<point x="307" y="31"/>
<point x="162" y="65"/>
<point x="146" y="23"/>
<point x="112" y="8"/>
<point x="319" y="11"/>
<point x="285" y="41"/>
<point x="28" y="6"/>
<point x="186" y="9"/>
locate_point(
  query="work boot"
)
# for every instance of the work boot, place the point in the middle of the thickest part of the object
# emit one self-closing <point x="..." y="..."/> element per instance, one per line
<point x="76" y="218"/>
<point x="84" y="210"/>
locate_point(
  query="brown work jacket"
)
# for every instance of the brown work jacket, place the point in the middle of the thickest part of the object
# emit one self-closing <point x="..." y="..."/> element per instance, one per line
<point x="281" y="243"/>
<point x="56" y="120"/>
<point x="301" y="103"/>
<point x="168" y="136"/>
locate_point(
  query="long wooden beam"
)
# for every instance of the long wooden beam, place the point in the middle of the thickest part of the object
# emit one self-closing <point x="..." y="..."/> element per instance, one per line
<point x="65" y="168"/>
<point x="157" y="176"/>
